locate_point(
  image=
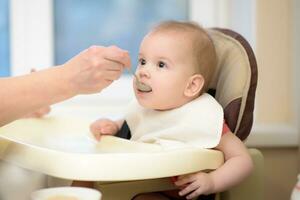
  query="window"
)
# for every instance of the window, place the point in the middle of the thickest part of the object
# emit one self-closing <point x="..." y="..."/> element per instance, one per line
<point x="233" y="14"/>
<point x="49" y="32"/>
<point x="4" y="39"/>
<point x="79" y="24"/>
<point x="241" y="15"/>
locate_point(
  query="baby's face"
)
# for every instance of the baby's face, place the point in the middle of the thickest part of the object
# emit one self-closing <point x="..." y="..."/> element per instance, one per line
<point x="165" y="64"/>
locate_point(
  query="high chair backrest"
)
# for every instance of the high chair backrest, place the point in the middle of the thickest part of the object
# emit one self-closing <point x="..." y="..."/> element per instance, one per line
<point x="235" y="79"/>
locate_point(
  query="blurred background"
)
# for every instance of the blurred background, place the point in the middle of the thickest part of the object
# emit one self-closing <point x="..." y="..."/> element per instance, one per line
<point x="43" y="33"/>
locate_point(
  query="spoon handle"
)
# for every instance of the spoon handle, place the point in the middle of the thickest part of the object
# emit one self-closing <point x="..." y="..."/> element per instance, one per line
<point x="131" y="71"/>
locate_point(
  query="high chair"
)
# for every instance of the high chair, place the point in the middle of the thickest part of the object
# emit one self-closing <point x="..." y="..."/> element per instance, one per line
<point x="122" y="169"/>
<point x="233" y="86"/>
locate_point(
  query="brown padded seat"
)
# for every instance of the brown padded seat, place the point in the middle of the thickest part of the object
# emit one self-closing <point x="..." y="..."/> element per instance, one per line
<point x="234" y="82"/>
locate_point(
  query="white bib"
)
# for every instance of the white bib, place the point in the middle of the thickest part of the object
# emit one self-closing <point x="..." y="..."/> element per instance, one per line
<point x="198" y="123"/>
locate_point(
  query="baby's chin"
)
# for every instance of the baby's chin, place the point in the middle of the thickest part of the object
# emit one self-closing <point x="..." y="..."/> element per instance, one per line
<point x="145" y="104"/>
<point x="152" y="106"/>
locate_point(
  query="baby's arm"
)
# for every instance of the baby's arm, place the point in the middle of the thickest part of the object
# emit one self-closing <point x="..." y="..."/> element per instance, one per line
<point x="238" y="165"/>
<point x="105" y="127"/>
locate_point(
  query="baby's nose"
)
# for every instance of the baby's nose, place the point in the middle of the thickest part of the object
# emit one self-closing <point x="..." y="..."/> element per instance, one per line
<point x="143" y="72"/>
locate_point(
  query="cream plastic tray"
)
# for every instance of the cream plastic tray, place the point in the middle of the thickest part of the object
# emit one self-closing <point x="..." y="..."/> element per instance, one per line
<point x="64" y="148"/>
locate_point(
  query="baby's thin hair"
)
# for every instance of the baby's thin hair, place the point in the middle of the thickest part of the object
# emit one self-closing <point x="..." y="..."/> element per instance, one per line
<point x="202" y="44"/>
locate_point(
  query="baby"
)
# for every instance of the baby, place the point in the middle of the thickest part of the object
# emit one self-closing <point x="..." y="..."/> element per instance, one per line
<point x="176" y="63"/>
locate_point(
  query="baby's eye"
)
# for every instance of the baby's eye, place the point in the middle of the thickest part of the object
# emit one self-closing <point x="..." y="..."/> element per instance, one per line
<point x="161" y="64"/>
<point x="142" y="61"/>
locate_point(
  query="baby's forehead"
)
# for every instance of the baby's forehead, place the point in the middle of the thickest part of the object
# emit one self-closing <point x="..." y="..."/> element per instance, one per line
<point x="173" y="36"/>
<point x="171" y="33"/>
<point x="173" y="42"/>
<point x="167" y="43"/>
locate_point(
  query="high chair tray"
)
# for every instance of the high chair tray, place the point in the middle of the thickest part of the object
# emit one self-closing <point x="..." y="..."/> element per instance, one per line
<point x="64" y="148"/>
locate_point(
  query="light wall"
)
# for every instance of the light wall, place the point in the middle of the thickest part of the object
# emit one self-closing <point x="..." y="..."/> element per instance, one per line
<point x="274" y="56"/>
<point x="296" y="63"/>
<point x="277" y="51"/>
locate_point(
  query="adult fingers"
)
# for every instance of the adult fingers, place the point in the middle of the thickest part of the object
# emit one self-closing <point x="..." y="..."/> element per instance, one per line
<point x="106" y="82"/>
<point x="116" y="54"/>
<point x="110" y="65"/>
<point x="112" y="75"/>
<point x="43" y="111"/>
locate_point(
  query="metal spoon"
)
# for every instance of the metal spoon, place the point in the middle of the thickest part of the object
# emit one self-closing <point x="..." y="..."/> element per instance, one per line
<point x="140" y="86"/>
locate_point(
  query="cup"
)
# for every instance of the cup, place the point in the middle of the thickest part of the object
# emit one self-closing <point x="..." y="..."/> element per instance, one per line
<point x="66" y="193"/>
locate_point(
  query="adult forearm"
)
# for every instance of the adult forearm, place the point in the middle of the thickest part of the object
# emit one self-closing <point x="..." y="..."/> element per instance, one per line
<point x="88" y="72"/>
<point x="23" y="94"/>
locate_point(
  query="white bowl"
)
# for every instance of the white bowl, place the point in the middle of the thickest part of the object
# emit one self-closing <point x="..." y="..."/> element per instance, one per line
<point x="66" y="193"/>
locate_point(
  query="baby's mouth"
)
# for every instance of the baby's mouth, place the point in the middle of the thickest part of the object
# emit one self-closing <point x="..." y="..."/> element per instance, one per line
<point x="142" y="87"/>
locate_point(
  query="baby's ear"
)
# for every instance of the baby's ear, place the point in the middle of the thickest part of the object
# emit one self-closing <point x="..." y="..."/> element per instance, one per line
<point x="194" y="85"/>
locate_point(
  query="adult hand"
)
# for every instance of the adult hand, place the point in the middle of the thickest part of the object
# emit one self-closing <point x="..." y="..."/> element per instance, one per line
<point x="95" y="68"/>
<point x="88" y="72"/>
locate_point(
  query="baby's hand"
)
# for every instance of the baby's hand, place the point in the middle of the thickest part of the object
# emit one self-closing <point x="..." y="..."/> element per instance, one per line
<point x="103" y="127"/>
<point x="195" y="184"/>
